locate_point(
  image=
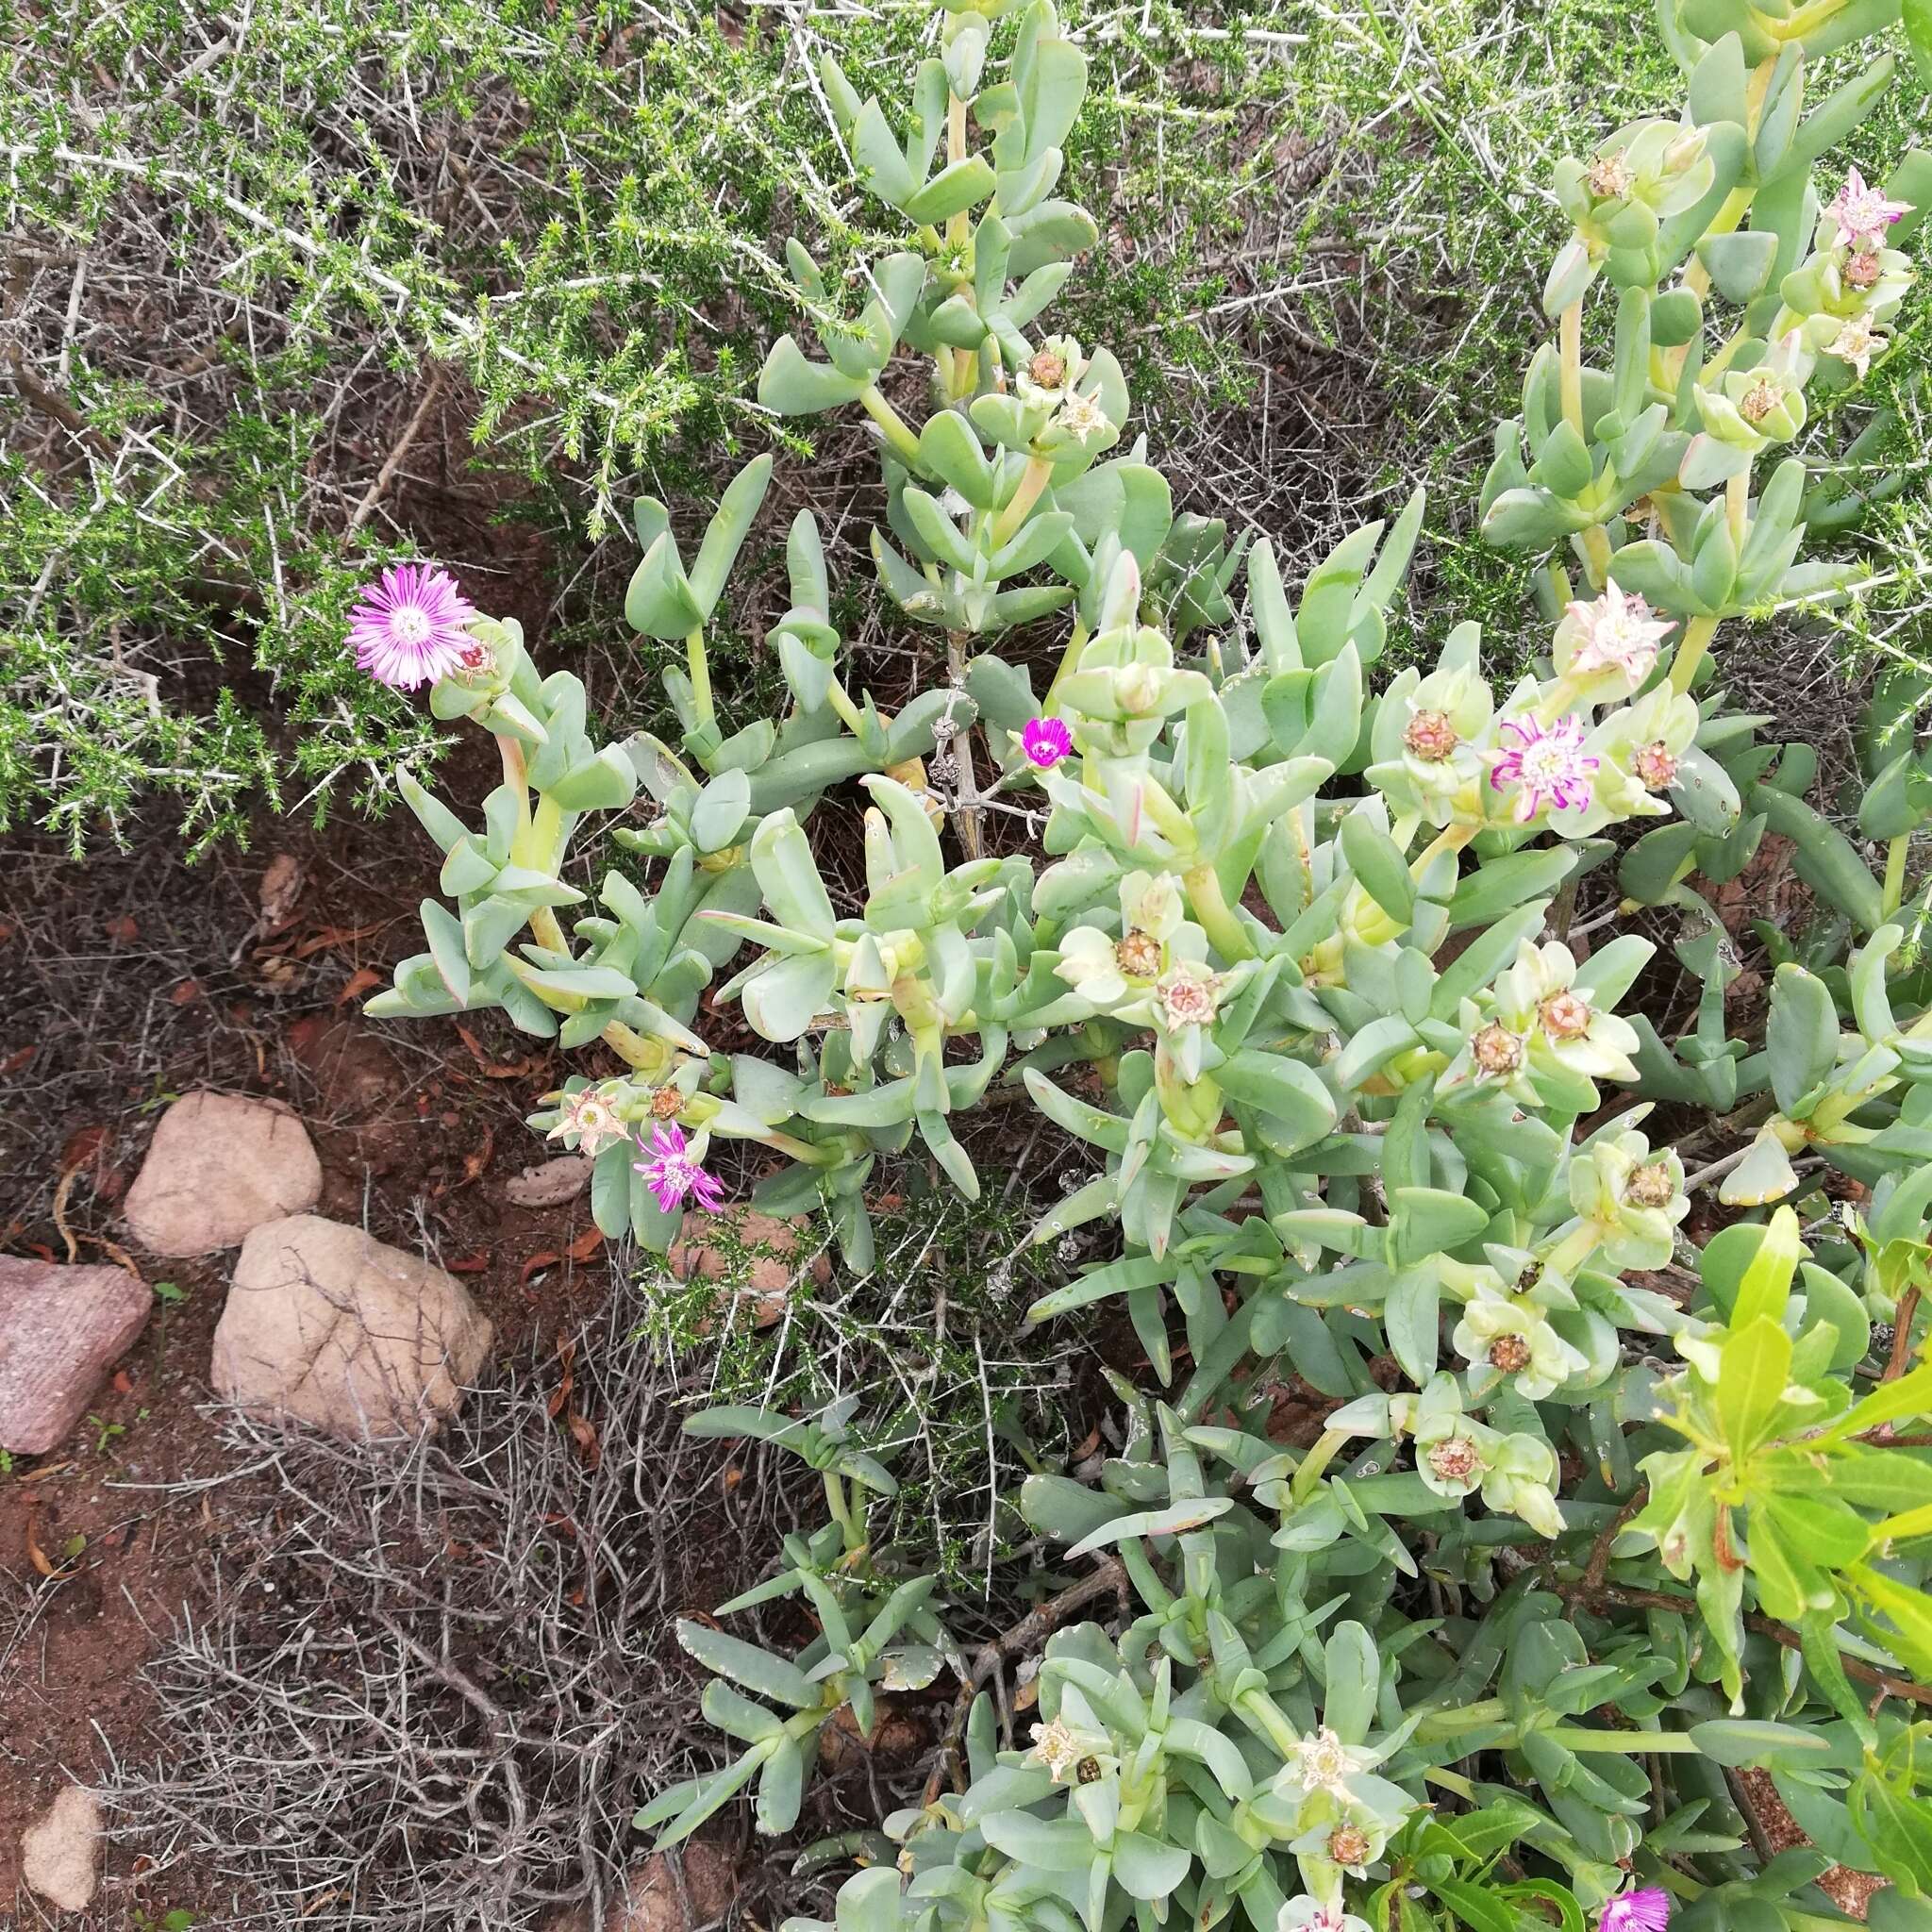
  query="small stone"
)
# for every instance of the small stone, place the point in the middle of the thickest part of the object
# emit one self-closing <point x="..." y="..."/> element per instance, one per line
<point x="549" y="1183"/>
<point x="60" y="1328"/>
<point x="60" y="1851"/>
<point x="755" y="1254"/>
<point x="325" y="1324"/>
<point x="221" y="1164"/>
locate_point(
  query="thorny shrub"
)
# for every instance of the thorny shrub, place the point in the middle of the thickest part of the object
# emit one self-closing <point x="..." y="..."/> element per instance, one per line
<point x="1300" y="964"/>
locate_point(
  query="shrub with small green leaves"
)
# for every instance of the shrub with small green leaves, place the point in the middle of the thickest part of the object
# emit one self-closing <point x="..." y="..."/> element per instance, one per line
<point x="1591" y="1517"/>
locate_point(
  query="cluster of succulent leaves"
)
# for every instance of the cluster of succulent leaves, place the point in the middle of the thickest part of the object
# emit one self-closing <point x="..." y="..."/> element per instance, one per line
<point x="1293" y="960"/>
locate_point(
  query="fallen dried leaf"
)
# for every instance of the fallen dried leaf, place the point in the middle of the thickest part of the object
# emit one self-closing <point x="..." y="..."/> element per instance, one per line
<point x="123" y="930"/>
<point x="335" y="936"/>
<point x="364" y="979"/>
<point x="543" y="1257"/>
<point x="478" y="1158"/>
<point x="469" y="1264"/>
<point x="43" y="1563"/>
<point x="15" y="1061"/>
<point x="499" y="1070"/>
<point x="586" y="1244"/>
<point x="186" y="993"/>
<point x="84" y="1146"/>
<point x="585" y="1438"/>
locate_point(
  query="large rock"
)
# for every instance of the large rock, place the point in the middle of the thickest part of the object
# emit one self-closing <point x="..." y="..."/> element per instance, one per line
<point x="60" y="1851"/>
<point x="60" y="1328"/>
<point x="326" y="1324"/>
<point x="220" y="1165"/>
<point x="651" y="1902"/>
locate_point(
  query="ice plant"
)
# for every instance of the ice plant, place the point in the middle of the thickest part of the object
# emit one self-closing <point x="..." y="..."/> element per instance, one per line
<point x="1648" y="1908"/>
<point x="409" y="627"/>
<point x="1612" y="632"/>
<point x="590" y="1118"/>
<point x="674" y="1175"/>
<point x="1546" y="765"/>
<point x="1862" y="216"/>
<point x="1046" y="741"/>
<point x="1320" y="967"/>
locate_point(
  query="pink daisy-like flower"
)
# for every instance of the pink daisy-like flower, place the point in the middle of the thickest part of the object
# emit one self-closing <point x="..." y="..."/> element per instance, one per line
<point x="1551" y="766"/>
<point x="1862" y="213"/>
<point x="1046" y="741"/>
<point x="1616" y="633"/>
<point x="671" y="1174"/>
<point x="408" y="628"/>
<point x="1645" y="1910"/>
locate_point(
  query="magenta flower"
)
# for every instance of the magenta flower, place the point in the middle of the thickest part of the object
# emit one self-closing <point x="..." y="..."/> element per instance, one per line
<point x="1550" y="765"/>
<point x="1862" y="213"/>
<point x="1645" y="1910"/>
<point x="672" y="1174"/>
<point x="1046" y="741"/>
<point x="408" y="628"/>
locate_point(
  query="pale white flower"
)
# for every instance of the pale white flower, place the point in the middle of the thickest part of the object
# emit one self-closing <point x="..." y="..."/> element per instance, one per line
<point x="1614" y="632"/>
<point x="1323" y="1763"/>
<point x="592" y="1118"/>
<point x="1083" y="415"/>
<point x="1305" y="1914"/>
<point x="1857" y="343"/>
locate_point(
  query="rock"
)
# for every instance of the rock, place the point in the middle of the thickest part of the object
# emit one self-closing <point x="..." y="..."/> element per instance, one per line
<point x="755" y="1254"/>
<point x="60" y="1327"/>
<point x="325" y="1324"/>
<point x="60" y="1851"/>
<point x="221" y="1164"/>
<point x="653" y="1904"/>
<point x="843" y="1745"/>
<point x="549" y="1183"/>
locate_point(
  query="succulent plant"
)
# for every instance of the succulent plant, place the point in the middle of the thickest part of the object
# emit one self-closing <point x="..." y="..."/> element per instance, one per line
<point x="1295" y="957"/>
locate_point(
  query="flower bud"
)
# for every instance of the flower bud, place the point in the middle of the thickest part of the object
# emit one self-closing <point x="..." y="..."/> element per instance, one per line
<point x="1454" y="1460"/>
<point x="1138" y="956"/>
<point x="1566" y="1016"/>
<point x="1497" y="1050"/>
<point x="1654" y="765"/>
<point x="1649" y="1186"/>
<point x="1430" y="736"/>
<point x="1610" y="176"/>
<point x="1509" y="1352"/>
<point x="1349" y="1845"/>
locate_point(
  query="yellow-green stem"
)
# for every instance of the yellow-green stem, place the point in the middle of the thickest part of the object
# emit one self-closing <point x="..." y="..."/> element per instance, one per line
<point x="904" y="444"/>
<point x="1697" y="642"/>
<point x="1217" y="918"/>
<point x="849" y="714"/>
<point x="1569" y="339"/>
<point x="700" y="667"/>
<point x="1070" y="662"/>
<point x="1737" y="506"/>
<point x="1328" y="1446"/>
<point x="1450" y="838"/>
<point x="1572" y="1251"/>
<point x="1596" y="554"/>
<point x="1895" y="875"/>
<point x="1032" y="483"/>
<point x="967" y="785"/>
